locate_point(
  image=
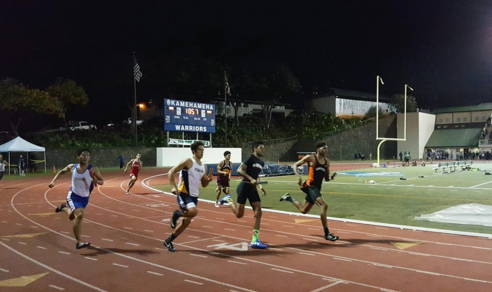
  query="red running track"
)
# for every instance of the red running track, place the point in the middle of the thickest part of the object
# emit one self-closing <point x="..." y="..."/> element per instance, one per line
<point x="127" y="231"/>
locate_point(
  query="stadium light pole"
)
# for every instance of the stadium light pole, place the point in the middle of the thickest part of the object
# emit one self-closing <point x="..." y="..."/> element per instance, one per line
<point x="405" y="111"/>
<point x="378" y="79"/>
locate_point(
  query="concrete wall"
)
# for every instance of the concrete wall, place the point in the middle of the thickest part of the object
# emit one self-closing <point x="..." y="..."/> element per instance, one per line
<point x="100" y="157"/>
<point x="343" y="146"/>
<point x="171" y="156"/>
<point x="419" y="129"/>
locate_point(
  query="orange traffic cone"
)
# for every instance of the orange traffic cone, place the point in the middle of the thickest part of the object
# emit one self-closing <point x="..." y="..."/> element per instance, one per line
<point x="54" y="169"/>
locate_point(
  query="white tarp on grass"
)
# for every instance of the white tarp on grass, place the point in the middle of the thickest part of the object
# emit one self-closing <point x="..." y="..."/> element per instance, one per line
<point x="473" y="214"/>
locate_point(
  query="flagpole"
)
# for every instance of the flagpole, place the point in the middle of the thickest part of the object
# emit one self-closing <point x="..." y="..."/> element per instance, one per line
<point x="225" y="106"/>
<point x="135" y="105"/>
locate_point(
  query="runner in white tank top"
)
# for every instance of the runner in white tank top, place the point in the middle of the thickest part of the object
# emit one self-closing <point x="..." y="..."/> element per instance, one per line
<point x="193" y="173"/>
<point x="3" y="163"/>
<point x="84" y="178"/>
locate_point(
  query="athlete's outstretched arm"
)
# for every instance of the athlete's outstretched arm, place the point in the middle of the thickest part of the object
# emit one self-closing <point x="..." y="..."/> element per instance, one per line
<point x="184" y="164"/>
<point x="327" y="174"/>
<point x="97" y="175"/>
<point x="207" y="178"/>
<point x="64" y="170"/>
<point x="219" y="166"/>
<point x="306" y="159"/>
<point x="128" y="164"/>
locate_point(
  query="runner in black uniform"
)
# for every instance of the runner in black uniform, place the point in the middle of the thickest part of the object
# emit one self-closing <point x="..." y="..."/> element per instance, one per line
<point x="246" y="190"/>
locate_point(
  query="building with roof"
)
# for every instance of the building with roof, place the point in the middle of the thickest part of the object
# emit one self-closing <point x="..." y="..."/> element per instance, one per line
<point x="452" y="132"/>
<point x="347" y="103"/>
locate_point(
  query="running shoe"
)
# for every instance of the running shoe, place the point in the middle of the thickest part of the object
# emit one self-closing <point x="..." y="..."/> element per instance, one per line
<point x="217" y="205"/>
<point x="258" y="245"/>
<point x="331" y="237"/>
<point x="60" y="209"/>
<point x="170" y="246"/>
<point x="127" y="192"/>
<point x="80" y="245"/>
<point x="285" y="197"/>
<point x="227" y="199"/>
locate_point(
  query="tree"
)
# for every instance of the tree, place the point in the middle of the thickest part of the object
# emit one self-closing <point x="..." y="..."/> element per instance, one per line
<point x="398" y="103"/>
<point x="69" y="94"/>
<point x="267" y="82"/>
<point x="19" y="102"/>
<point x="274" y="81"/>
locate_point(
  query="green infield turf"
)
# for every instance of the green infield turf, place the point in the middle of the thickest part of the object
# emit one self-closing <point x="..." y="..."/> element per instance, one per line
<point x="389" y="199"/>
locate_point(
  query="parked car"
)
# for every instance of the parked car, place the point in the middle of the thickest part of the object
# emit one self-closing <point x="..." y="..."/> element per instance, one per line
<point x="129" y="122"/>
<point x="80" y="125"/>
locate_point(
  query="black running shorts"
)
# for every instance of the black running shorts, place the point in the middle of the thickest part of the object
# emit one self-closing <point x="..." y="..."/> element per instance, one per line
<point x="312" y="194"/>
<point x="247" y="191"/>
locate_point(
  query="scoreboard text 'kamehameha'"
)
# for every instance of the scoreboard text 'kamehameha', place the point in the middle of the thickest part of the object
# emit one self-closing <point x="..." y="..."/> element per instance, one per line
<point x="188" y="116"/>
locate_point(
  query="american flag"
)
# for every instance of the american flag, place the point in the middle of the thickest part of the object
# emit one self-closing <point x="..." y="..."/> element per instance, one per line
<point x="227" y="87"/>
<point x="136" y="70"/>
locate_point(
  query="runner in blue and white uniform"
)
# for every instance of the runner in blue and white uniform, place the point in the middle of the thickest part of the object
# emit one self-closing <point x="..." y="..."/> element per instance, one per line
<point x="192" y="174"/>
<point x="84" y="178"/>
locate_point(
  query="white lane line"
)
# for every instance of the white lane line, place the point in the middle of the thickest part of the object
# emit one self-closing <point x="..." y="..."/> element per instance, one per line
<point x="206" y="226"/>
<point x="92" y="259"/>
<point x="4" y="270"/>
<point x="230" y="229"/>
<point x="6" y="239"/>
<point x="33" y="226"/>
<point x="149" y="230"/>
<point x="56" y="287"/>
<point x="4" y="222"/>
<point x="129" y="228"/>
<point x="310" y="239"/>
<point x="193" y="236"/>
<point x="23" y="243"/>
<point x="105" y="239"/>
<point x="219" y="219"/>
<point x="66" y="232"/>
<point x="134" y="244"/>
<point x="193" y="282"/>
<point x="18" y="224"/>
<point x="85" y="235"/>
<point x="327" y="286"/>
<point x="314" y="229"/>
<point x="288" y="226"/>
<point x="341" y="259"/>
<point x="118" y="265"/>
<point x="281" y="235"/>
<point x="305" y="253"/>
<point x="64" y="252"/>
<point x="41" y="247"/>
<point x="154" y="273"/>
<point x="283" y="271"/>
<point x="236" y="262"/>
<point x="53" y="270"/>
<point x="198" y="255"/>
<point x="160" y="248"/>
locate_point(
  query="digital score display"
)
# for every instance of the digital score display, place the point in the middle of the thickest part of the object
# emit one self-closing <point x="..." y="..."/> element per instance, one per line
<point x="188" y="116"/>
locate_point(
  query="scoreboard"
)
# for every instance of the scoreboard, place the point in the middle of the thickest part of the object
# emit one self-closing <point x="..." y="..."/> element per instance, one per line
<point x="188" y="116"/>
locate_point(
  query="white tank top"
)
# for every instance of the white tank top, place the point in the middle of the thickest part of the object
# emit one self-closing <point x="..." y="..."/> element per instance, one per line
<point x="82" y="182"/>
<point x="190" y="179"/>
<point x="2" y="166"/>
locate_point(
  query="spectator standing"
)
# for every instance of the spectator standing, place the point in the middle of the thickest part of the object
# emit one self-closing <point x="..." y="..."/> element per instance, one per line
<point x="121" y="159"/>
<point x="22" y="166"/>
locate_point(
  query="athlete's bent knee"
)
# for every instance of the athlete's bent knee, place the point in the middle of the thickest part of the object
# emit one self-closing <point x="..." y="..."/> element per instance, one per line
<point x="192" y="212"/>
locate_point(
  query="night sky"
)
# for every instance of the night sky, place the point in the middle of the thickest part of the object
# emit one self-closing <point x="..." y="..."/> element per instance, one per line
<point x="443" y="49"/>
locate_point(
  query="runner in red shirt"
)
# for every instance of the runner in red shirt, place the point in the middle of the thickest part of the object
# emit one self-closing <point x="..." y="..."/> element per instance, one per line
<point x="136" y="164"/>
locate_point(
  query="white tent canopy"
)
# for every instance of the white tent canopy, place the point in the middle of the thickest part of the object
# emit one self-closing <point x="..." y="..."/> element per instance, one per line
<point x="20" y="145"/>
